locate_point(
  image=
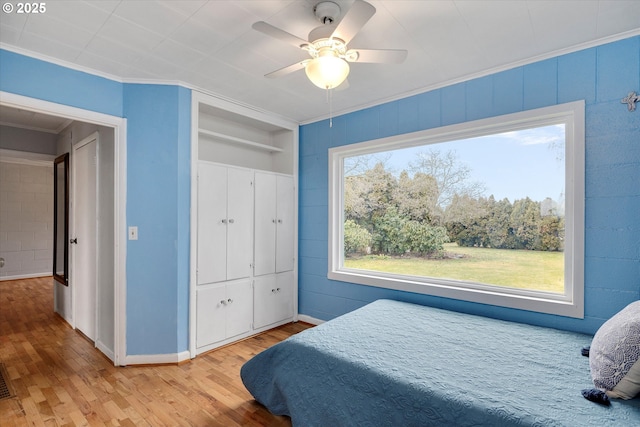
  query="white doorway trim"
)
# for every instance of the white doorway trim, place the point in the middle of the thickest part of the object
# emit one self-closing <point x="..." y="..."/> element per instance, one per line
<point x="119" y="125"/>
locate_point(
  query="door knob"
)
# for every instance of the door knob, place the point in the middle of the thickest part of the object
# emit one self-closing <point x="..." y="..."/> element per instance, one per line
<point x="74" y="241"/>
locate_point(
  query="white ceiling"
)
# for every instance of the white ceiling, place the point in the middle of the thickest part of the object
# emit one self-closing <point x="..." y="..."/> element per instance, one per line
<point x="210" y="45"/>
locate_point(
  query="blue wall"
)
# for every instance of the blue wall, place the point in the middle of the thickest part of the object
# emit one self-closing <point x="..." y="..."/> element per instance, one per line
<point x="30" y="77"/>
<point x="158" y="136"/>
<point x="601" y="76"/>
<point x="158" y="188"/>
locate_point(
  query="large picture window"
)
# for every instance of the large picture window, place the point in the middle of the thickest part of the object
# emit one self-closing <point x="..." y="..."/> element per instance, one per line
<point x="490" y="211"/>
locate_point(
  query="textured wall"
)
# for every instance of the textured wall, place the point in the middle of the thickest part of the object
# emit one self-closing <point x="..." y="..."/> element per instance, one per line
<point x="601" y="76"/>
<point x="26" y="220"/>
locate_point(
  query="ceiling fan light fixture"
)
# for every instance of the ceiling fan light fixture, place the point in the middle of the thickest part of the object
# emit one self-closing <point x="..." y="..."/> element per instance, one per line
<point x="327" y="70"/>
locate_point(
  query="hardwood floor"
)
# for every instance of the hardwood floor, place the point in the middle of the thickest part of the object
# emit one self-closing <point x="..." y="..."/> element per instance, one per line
<point x="61" y="380"/>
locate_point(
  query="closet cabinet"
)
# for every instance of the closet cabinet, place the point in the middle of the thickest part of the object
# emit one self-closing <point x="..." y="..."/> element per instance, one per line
<point x="223" y="312"/>
<point x="274" y="223"/>
<point x="273" y="298"/>
<point x="243" y="265"/>
<point x="225" y="220"/>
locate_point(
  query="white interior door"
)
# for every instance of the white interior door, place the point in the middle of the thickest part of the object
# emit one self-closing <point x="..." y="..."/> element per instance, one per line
<point x="84" y="236"/>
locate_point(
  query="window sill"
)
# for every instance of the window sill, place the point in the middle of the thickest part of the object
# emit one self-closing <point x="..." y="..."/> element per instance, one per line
<point x="549" y="303"/>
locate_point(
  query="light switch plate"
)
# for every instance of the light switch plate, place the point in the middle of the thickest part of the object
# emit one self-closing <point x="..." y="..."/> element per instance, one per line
<point x="133" y="233"/>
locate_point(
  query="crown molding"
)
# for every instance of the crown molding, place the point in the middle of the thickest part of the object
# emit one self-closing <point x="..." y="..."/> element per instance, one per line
<point x="553" y="54"/>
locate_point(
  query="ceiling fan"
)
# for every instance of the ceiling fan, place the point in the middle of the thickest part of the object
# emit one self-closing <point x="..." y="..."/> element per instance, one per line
<point x="328" y="44"/>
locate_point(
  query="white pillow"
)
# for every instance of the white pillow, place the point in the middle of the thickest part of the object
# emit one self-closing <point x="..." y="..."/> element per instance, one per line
<point x="615" y="349"/>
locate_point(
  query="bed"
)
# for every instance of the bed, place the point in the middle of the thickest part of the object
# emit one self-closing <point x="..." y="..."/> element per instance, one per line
<point x="392" y="363"/>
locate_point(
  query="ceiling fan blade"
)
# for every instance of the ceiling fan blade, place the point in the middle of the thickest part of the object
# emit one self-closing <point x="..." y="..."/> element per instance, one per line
<point x="384" y="56"/>
<point x="288" y="69"/>
<point x="354" y="20"/>
<point x="279" y="34"/>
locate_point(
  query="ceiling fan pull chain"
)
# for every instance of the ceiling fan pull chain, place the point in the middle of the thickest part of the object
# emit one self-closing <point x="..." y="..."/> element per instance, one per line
<point x="330" y="109"/>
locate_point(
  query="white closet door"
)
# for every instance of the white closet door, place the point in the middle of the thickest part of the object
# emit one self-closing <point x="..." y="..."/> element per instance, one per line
<point x="239" y="223"/>
<point x="265" y="223"/>
<point x="212" y="223"/>
<point x="239" y="308"/>
<point x="285" y="224"/>
<point x="273" y="299"/>
<point x="211" y="315"/>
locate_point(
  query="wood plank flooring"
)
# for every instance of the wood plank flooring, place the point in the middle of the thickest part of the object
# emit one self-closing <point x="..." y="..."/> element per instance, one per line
<point x="61" y="380"/>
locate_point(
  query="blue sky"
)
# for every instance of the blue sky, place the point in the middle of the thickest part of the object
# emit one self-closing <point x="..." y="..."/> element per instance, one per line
<point x="512" y="165"/>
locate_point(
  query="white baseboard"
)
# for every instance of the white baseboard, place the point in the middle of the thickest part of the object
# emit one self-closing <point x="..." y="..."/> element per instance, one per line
<point x="309" y="319"/>
<point x="105" y="350"/>
<point x="160" y="359"/>
<point x="25" y="276"/>
<point x="157" y="359"/>
<point x="68" y="320"/>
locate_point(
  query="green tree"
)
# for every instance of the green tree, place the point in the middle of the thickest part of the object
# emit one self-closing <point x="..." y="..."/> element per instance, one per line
<point x="423" y="239"/>
<point x="417" y="196"/>
<point x="525" y="220"/>
<point x="356" y="238"/>
<point x="389" y="232"/>
<point x="366" y="196"/>
<point x="467" y="220"/>
<point x="499" y="232"/>
<point x="551" y="233"/>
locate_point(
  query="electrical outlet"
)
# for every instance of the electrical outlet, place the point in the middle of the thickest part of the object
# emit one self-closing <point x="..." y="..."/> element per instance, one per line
<point x="133" y="233"/>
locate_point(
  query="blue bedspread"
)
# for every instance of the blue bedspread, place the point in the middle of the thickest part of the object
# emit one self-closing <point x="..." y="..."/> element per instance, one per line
<point x="398" y="364"/>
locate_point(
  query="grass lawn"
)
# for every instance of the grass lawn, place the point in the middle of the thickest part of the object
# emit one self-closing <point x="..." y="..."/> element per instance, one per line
<point x="537" y="270"/>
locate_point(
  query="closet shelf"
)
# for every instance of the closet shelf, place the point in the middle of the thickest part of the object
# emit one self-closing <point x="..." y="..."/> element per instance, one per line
<point x="232" y="139"/>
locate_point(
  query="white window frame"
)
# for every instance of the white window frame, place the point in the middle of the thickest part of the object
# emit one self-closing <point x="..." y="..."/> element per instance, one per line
<point x="570" y="304"/>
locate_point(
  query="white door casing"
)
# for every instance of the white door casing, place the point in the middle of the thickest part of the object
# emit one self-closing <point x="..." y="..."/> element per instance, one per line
<point x="119" y="125"/>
